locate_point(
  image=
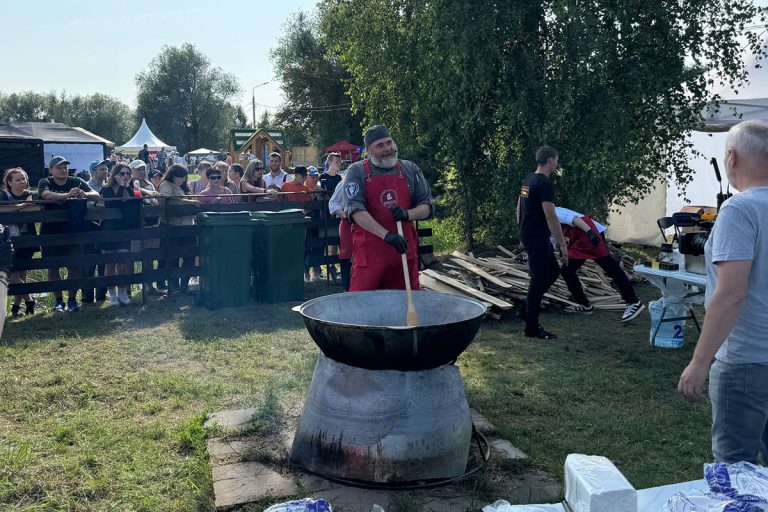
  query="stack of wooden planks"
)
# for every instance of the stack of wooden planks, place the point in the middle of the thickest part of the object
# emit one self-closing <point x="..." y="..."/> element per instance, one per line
<point x="502" y="281"/>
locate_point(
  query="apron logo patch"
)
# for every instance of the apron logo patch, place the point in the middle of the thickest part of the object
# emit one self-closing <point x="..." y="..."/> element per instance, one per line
<point x="524" y="191"/>
<point x="351" y="189"/>
<point x="388" y="198"/>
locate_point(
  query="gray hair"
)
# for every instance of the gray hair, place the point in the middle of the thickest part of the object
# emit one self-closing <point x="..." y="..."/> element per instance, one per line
<point x="750" y="137"/>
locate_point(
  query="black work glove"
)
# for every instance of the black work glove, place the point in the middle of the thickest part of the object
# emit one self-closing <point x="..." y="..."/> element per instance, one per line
<point x="398" y="213"/>
<point x="6" y="251"/>
<point x="396" y="241"/>
<point x="593" y="237"/>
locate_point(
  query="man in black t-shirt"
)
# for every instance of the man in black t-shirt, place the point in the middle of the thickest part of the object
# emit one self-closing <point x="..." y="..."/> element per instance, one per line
<point x="60" y="186"/>
<point x="537" y="219"/>
<point x="144" y="154"/>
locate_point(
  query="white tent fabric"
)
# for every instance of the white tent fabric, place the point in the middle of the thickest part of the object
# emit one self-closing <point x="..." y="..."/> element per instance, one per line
<point x="702" y="191"/>
<point x="748" y="103"/>
<point x="636" y="223"/>
<point x="144" y="136"/>
<point x="201" y="152"/>
<point x="79" y="156"/>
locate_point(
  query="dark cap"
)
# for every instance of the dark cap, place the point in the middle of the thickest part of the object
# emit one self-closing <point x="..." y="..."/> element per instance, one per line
<point x="97" y="163"/>
<point x="57" y="160"/>
<point x="153" y="173"/>
<point x="375" y="133"/>
<point x="300" y="170"/>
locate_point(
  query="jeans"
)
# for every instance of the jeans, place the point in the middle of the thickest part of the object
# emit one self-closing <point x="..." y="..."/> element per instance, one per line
<point x="739" y="395"/>
<point x="609" y="265"/>
<point x="544" y="270"/>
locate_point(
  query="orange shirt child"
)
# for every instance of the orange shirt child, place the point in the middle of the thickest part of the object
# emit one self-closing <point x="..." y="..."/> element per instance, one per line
<point x="290" y="186"/>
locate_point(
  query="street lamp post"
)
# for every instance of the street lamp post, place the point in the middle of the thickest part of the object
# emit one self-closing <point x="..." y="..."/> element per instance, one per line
<point x="253" y="100"/>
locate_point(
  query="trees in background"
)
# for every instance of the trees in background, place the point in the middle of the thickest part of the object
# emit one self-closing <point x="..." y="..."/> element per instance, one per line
<point x="471" y="88"/>
<point x="100" y="114"/>
<point x="317" y="109"/>
<point x="187" y="101"/>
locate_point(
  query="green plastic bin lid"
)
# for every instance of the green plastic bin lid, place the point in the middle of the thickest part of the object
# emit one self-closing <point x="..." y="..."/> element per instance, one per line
<point x="224" y="218"/>
<point x="290" y="216"/>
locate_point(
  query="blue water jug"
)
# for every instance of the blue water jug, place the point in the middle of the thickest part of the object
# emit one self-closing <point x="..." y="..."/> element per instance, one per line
<point x="671" y="334"/>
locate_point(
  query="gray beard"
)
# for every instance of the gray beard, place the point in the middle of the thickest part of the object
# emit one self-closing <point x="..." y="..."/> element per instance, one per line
<point x="384" y="163"/>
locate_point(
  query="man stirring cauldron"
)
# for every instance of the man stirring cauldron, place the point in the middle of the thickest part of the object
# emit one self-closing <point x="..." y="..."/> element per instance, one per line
<point x="380" y="191"/>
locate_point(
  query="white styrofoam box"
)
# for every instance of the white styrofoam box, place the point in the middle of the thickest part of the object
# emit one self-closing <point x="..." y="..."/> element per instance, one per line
<point x="504" y="506"/>
<point x="594" y="484"/>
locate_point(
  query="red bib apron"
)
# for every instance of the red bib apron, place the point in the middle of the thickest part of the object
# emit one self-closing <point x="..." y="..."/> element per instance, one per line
<point x="376" y="265"/>
<point x="579" y="246"/>
<point x="345" y="240"/>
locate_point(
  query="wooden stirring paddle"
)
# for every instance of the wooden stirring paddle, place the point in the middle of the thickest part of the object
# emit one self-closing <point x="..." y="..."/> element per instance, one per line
<point x="413" y="317"/>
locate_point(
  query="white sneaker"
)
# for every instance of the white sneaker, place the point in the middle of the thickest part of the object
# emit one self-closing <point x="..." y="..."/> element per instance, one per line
<point x="579" y="308"/>
<point x="123" y="297"/>
<point x="632" y="310"/>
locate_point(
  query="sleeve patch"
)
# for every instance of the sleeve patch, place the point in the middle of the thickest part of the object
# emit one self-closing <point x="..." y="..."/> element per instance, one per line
<point x="351" y="190"/>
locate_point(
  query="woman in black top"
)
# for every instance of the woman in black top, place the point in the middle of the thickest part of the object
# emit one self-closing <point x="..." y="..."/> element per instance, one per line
<point x="119" y="187"/>
<point x="16" y="184"/>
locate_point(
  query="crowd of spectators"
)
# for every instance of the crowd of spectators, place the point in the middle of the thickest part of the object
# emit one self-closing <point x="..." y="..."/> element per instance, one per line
<point x="117" y="183"/>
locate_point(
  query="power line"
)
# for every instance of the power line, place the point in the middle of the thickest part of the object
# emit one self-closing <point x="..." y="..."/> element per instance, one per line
<point x="321" y="108"/>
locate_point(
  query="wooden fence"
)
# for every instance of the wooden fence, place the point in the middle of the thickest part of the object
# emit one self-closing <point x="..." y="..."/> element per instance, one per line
<point x="316" y="242"/>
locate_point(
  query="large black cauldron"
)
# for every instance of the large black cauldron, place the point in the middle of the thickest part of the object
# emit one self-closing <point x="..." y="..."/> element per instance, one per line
<point x="368" y="329"/>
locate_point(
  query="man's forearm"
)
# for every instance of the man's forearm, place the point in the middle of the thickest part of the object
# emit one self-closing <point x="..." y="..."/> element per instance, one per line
<point x="54" y="196"/>
<point x="556" y="230"/>
<point x="581" y="225"/>
<point x="364" y="219"/>
<point x="420" y="212"/>
<point x="722" y="313"/>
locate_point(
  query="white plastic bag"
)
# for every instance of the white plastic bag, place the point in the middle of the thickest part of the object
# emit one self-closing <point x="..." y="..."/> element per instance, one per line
<point x="303" y="505"/>
<point x="594" y="484"/>
<point x="504" y="506"/>
<point x="702" y="501"/>
<point x="740" y="481"/>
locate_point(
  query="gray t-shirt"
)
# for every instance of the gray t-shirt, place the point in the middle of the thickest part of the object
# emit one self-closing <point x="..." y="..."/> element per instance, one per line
<point x="737" y="235"/>
<point x="354" y="185"/>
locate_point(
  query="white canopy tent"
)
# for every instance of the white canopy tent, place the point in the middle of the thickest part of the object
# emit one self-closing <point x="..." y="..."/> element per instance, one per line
<point x="201" y="152"/>
<point x="637" y="223"/>
<point x="144" y="136"/>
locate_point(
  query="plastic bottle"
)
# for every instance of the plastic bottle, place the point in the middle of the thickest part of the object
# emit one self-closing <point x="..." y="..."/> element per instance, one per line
<point x="670" y="334"/>
<point x="677" y="257"/>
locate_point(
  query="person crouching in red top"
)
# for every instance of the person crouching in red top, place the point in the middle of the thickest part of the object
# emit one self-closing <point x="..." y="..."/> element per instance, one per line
<point x="586" y="242"/>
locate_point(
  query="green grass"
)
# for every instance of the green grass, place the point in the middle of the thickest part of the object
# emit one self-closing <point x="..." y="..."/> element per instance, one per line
<point x="104" y="409"/>
<point x="600" y="389"/>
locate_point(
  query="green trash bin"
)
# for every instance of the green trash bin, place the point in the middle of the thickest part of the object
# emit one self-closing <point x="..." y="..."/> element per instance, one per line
<point x="225" y="258"/>
<point x="278" y="255"/>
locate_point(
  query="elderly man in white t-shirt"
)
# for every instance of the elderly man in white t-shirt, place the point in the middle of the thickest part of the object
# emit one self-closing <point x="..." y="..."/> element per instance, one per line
<point x="735" y="331"/>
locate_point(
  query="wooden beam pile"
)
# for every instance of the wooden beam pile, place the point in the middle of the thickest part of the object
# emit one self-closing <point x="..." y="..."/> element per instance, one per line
<point x="502" y="281"/>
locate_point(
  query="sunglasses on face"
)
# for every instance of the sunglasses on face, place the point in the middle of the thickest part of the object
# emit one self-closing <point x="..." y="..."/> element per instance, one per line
<point x="123" y="173"/>
<point x="215" y="177"/>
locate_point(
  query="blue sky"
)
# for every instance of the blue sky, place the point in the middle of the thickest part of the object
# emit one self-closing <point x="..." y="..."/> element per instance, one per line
<point x="88" y="46"/>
